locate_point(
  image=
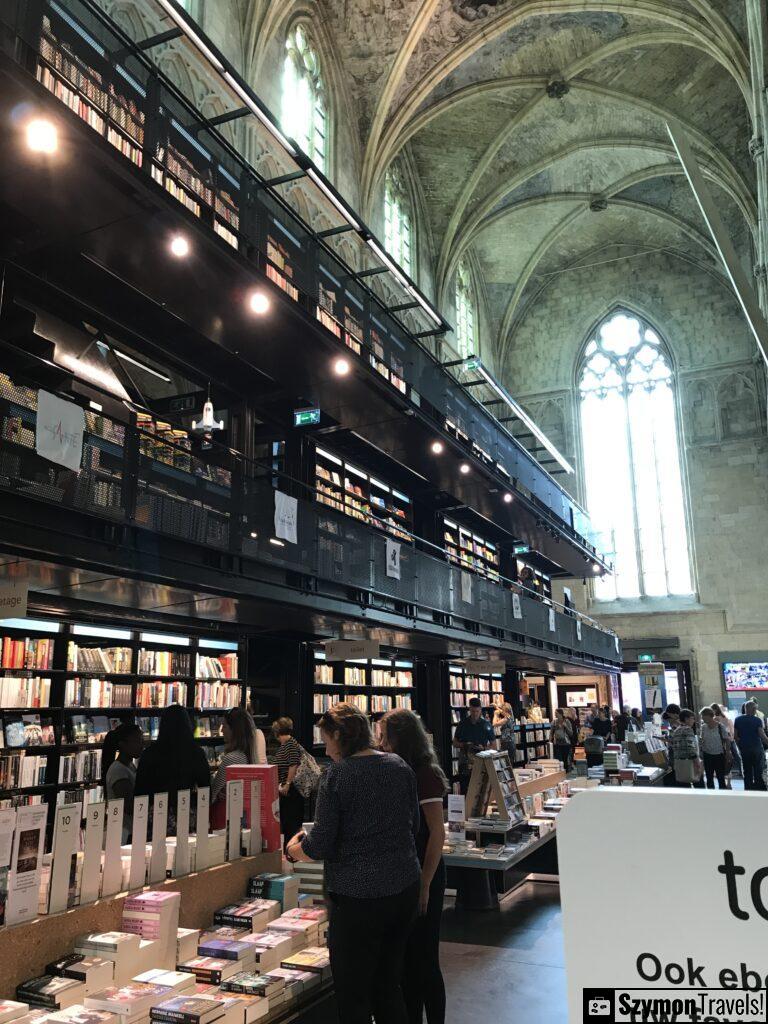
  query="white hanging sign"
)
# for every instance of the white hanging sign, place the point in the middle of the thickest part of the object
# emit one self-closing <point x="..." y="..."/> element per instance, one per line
<point x="94" y="840"/>
<point x="255" y="817"/>
<point x="496" y="667"/>
<point x="234" y="818"/>
<point x="552" y="621"/>
<point x="66" y="839"/>
<point x="393" y="559"/>
<point x="203" y="819"/>
<point x="112" y="880"/>
<point x="138" y="873"/>
<point x="517" y="608"/>
<point x="181" y="862"/>
<point x="286" y="517"/>
<point x="26" y="864"/>
<point x="351" y="650"/>
<point x="466" y="587"/>
<point x="158" y="857"/>
<point x="616" y="642"/>
<point x="59" y="433"/>
<point x="578" y="630"/>
<point x="13" y="599"/>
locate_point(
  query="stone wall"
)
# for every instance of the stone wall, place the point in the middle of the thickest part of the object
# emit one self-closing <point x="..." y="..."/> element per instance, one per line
<point x="721" y="395"/>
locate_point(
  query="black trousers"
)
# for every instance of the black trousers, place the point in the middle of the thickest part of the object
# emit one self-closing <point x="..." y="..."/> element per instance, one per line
<point x="423" y="985"/>
<point x="563" y="753"/>
<point x="366" y="944"/>
<point x="714" y="765"/>
<point x="291" y="813"/>
<point x="753" y="768"/>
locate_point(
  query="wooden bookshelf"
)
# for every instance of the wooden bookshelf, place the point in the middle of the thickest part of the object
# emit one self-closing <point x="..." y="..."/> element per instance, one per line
<point x="462" y="686"/>
<point x="77" y="681"/>
<point x="375" y="686"/>
<point x="348" y="488"/>
<point x="470" y="551"/>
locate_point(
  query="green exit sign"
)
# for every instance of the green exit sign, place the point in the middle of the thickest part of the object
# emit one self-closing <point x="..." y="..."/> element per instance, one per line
<point x="647" y="657"/>
<point x="521" y="549"/>
<point x="306" y="417"/>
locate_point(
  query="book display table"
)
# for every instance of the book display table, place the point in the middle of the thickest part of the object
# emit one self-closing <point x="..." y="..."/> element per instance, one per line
<point x="480" y="881"/>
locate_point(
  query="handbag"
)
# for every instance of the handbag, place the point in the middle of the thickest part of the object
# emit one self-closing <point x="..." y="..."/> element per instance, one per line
<point x="685" y="770"/>
<point x="726" y="748"/>
<point x="308" y="775"/>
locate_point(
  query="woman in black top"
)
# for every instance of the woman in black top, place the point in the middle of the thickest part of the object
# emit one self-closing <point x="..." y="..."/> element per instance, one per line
<point x="365" y="828"/>
<point x="174" y="762"/>
<point x="402" y="733"/>
<point x="288" y="758"/>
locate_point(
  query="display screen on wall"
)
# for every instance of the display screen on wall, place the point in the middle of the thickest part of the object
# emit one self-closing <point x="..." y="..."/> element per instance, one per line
<point x="746" y="675"/>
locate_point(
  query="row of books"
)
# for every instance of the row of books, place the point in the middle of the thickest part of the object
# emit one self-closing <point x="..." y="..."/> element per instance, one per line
<point x="20" y="770"/>
<point x="225" y="666"/>
<point x="218" y="695"/>
<point x="84" y="766"/>
<point x="27" y="653"/>
<point x="90" y="729"/>
<point x="25" y="693"/>
<point x="27" y="731"/>
<point x="98" y="659"/>
<point x="164" y="663"/>
<point x="388" y="677"/>
<point x="383" y="702"/>
<point x="97" y="693"/>
<point x="160" y="695"/>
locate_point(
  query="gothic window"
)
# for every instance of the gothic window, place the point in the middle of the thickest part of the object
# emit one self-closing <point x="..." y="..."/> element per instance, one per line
<point x="465" y="313"/>
<point x="633" y="475"/>
<point x="304" y="109"/>
<point x="397" y="221"/>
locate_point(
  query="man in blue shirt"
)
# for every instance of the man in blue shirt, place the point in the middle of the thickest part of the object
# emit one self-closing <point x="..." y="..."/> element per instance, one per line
<point x="751" y="739"/>
<point x="473" y="733"/>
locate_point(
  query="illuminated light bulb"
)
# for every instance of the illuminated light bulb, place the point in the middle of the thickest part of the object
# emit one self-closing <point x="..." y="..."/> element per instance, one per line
<point x="438" y="447"/>
<point x="341" y="367"/>
<point x="42" y="136"/>
<point x="508" y="498"/>
<point x="258" y="303"/>
<point x="179" y="247"/>
<point x="464" y="468"/>
<point x="595" y="568"/>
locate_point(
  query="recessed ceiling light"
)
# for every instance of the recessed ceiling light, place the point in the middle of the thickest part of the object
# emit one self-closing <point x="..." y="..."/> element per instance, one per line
<point x="438" y="447"/>
<point x="341" y="367"/>
<point x="464" y="468"/>
<point x="179" y="246"/>
<point x="258" y="303"/>
<point x="508" y="498"/>
<point x="595" y="568"/>
<point x="276" y="542"/>
<point x="42" y="136"/>
<point x="254" y="535"/>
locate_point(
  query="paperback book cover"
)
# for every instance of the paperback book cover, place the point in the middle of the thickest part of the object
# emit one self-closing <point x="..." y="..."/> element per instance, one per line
<point x="51" y="991"/>
<point x="253" y="984"/>
<point x="10" y="1010"/>
<point x="188" y="1010"/>
<point x="225" y="949"/>
<point x="314" y="958"/>
<point x="129" y="1001"/>
<point x="209" y="969"/>
<point x="172" y="980"/>
<point x="81" y="1015"/>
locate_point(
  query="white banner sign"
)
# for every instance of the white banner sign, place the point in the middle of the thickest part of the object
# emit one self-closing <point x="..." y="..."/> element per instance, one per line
<point x="393" y="559"/>
<point x="255" y="822"/>
<point x="517" y="608"/>
<point x="112" y="880"/>
<point x="578" y="629"/>
<point x="466" y="588"/>
<point x="59" y="434"/>
<point x="717" y="953"/>
<point x="475" y="667"/>
<point x="181" y="863"/>
<point x="286" y="515"/>
<point x="158" y="858"/>
<point x="234" y="818"/>
<point x="13" y="600"/>
<point x="457" y="812"/>
<point x="94" y="839"/>
<point x="66" y="839"/>
<point x="138" y="872"/>
<point x="26" y="864"/>
<point x="351" y="650"/>
<point x="552" y="621"/>
<point x="202" y="824"/>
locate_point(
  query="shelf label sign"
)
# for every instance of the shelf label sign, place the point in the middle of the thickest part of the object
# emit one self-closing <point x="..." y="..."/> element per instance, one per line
<point x="234" y="818"/>
<point x="286" y="517"/>
<point x="485" y="667"/>
<point x="202" y="824"/>
<point x="351" y="650"/>
<point x="59" y="433"/>
<point x="66" y="838"/>
<point x="721" y="980"/>
<point x="13" y="600"/>
<point x="138" y="872"/>
<point x="94" y="840"/>
<point x="112" y="881"/>
<point x="393" y="559"/>
<point x="158" y="856"/>
<point x="181" y="861"/>
<point x="457" y="812"/>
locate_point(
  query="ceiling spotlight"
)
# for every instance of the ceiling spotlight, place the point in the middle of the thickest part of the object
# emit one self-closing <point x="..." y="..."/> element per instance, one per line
<point x="438" y="447"/>
<point x="42" y="136"/>
<point x="254" y="535"/>
<point x="179" y="247"/>
<point x="464" y="468"/>
<point x="258" y="303"/>
<point x="595" y="568"/>
<point x="276" y="542"/>
<point x="508" y="498"/>
<point x="341" y="367"/>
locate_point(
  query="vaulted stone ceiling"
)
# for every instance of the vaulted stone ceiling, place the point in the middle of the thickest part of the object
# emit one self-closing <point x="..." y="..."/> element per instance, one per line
<point x="458" y="88"/>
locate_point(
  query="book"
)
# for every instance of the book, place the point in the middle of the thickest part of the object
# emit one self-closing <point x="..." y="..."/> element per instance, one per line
<point x="127" y="1001"/>
<point x="10" y="1010"/>
<point x="197" y="1009"/>
<point x="253" y="984"/>
<point x="269" y="885"/>
<point x="51" y="991"/>
<point x="175" y="981"/>
<point x="294" y="983"/>
<point x="210" y="969"/>
<point x="115" y="943"/>
<point x="249" y="1008"/>
<point x="78" y="1014"/>
<point x="94" y="971"/>
<point x="313" y="958"/>
<point x="254" y="915"/>
<point x="186" y="943"/>
<point x="317" y="914"/>
<point x="225" y="949"/>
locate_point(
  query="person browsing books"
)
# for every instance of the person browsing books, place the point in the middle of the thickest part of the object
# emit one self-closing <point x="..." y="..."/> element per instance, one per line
<point x="365" y="828"/>
<point x="243" y="744"/>
<point x="174" y="762"/>
<point x="562" y="736"/>
<point x="473" y="734"/>
<point x="403" y="733"/>
<point x="121" y="748"/>
<point x="288" y="758"/>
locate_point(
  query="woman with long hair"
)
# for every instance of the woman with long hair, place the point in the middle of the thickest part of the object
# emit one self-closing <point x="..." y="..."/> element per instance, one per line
<point x="365" y="827"/>
<point x="174" y="762"/>
<point x="122" y="746"/>
<point x="403" y="733"/>
<point x="243" y="744"/>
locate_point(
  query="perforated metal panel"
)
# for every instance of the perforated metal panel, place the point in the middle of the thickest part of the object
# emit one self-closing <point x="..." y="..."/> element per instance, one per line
<point x="403" y="589"/>
<point x="433" y="582"/>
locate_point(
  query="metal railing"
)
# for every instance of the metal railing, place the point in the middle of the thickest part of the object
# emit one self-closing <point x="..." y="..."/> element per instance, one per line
<point x="284" y="217"/>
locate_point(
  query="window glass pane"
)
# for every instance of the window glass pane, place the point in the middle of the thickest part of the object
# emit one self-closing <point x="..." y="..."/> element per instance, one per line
<point x="465" y="314"/>
<point x="397" y="222"/>
<point x="303" y="110"/>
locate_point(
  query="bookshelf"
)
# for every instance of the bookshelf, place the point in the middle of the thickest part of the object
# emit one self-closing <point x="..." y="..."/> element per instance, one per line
<point x="375" y="686"/>
<point x="350" y="489"/>
<point x="462" y="686"/>
<point x="64" y="685"/>
<point x="470" y="551"/>
<point x="534" y="741"/>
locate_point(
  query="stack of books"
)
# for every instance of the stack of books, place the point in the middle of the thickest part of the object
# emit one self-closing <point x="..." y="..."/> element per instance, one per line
<point x="177" y="982"/>
<point x="123" y="949"/>
<point x="271" y="886"/>
<point x="130" y="1003"/>
<point x="186" y="943"/>
<point x="227" y="949"/>
<point x="93" y="971"/>
<point x="155" y="916"/>
<point x="253" y="916"/>
<point x="11" y="1010"/>
<point x="81" y="1015"/>
<point x="51" y="992"/>
<point x="210" y="970"/>
<point x="304" y="933"/>
<point x="314" y="959"/>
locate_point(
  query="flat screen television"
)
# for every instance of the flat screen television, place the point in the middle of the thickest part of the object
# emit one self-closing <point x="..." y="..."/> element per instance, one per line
<point x="745" y="675"/>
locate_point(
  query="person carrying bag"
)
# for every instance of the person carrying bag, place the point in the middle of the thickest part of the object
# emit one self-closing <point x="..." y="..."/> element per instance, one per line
<point x="685" y="750"/>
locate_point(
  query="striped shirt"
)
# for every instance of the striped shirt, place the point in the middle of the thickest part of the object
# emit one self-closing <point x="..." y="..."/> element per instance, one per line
<point x="286" y="755"/>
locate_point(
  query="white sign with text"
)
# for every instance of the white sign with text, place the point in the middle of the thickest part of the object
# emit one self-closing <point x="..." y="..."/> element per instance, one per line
<point x="66" y="839"/>
<point x="393" y="559"/>
<point x="351" y="650"/>
<point x="112" y="878"/>
<point x="13" y="599"/>
<point x="286" y="517"/>
<point x="711" y="946"/>
<point x="138" y="873"/>
<point x="158" y="857"/>
<point x="59" y="432"/>
<point x="92" y="844"/>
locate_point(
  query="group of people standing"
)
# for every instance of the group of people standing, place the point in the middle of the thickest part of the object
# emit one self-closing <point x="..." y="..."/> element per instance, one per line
<point x="710" y="747"/>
